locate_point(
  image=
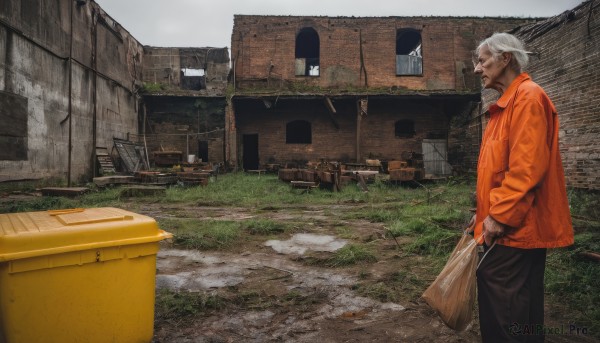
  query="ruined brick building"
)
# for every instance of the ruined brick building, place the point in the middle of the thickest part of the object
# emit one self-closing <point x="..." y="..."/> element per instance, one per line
<point x="72" y="79"/>
<point x="184" y="101"/>
<point x="297" y="89"/>
<point x="349" y="89"/>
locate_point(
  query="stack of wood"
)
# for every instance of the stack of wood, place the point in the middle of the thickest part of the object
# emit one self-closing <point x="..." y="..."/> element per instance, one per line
<point x="317" y="173"/>
<point x="193" y="178"/>
<point x="411" y="167"/>
<point x="289" y="174"/>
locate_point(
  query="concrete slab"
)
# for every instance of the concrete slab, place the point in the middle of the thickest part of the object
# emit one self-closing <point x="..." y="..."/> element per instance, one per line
<point x="113" y="180"/>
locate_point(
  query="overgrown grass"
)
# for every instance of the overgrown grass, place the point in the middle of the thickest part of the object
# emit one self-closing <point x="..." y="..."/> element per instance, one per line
<point x="351" y="254"/>
<point x="264" y="226"/>
<point x="240" y="189"/>
<point x="571" y="279"/>
<point x="180" y="306"/>
<point x="202" y="234"/>
<point x="584" y="204"/>
<point x="109" y="197"/>
<point x="428" y="237"/>
<point x="31" y="185"/>
<point x="393" y="287"/>
<point x="171" y="305"/>
<point x="427" y="219"/>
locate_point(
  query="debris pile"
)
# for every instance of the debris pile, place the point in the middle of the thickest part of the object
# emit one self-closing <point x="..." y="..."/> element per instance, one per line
<point x="410" y="167"/>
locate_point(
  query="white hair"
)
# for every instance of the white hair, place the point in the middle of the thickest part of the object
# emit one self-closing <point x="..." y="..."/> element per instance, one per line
<point x="499" y="43"/>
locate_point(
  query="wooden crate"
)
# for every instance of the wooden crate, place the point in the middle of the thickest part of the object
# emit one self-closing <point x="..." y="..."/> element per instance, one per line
<point x="288" y="174"/>
<point x="404" y="174"/>
<point x="308" y="175"/>
<point x="394" y="165"/>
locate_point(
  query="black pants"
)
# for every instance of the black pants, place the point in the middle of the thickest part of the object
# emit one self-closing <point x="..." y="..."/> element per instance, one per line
<point x="510" y="285"/>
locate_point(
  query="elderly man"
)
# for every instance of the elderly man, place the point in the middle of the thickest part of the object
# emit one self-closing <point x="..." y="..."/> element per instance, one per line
<point x="522" y="206"/>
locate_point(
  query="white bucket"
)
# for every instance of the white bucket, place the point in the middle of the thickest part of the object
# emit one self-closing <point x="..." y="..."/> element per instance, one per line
<point x="191" y="158"/>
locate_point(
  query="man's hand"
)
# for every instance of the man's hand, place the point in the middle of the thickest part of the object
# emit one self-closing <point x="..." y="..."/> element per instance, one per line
<point x="471" y="225"/>
<point x="492" y="230"/>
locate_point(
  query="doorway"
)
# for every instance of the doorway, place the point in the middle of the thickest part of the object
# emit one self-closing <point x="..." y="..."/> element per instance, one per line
<point x="435" y="157"/>
<point x="203" y="151"/>
<point x="250" y="152"/>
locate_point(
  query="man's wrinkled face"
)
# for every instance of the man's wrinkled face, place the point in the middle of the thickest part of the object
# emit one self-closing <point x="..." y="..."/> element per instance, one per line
<point x="489" y="68"/>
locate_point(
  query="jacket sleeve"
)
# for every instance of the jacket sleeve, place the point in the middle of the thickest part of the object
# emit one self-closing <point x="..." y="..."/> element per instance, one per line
<point x="528" y="159"/>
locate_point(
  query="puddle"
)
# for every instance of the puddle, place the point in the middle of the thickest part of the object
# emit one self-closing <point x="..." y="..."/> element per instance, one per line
<point x="201" y="271"/>
<point x="194" y="271"/>
<point x="336" y="301"/>
<point x="202" y="278"/>
<point x="302" y="242"/>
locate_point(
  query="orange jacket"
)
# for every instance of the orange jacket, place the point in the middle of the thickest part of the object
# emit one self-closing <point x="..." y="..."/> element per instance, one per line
<point x="520" y="178"/>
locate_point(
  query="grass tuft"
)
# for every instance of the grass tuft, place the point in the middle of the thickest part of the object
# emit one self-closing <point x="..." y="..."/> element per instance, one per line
<point x="264" y="227"/>
<point x="351" y="254"/>
<point x="171" y="305"/>
<point x="202" y="234"/>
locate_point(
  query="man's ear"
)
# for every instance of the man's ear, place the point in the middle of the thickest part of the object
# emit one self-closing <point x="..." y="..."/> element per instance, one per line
<point x="506" y="58"/>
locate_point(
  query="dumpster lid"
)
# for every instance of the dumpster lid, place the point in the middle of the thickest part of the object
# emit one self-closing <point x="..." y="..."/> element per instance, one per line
<point x="31" y="234"/>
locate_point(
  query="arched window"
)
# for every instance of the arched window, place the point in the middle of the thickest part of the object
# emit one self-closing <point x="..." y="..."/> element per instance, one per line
<point x="298" y="132"/>
<point x="307" y="52"/>
<point x="409" y="60"/>
<point x="404" y="128"/>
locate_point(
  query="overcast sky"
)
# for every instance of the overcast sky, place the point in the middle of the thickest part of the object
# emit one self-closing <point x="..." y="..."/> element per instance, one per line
<point x="208" y="23"/>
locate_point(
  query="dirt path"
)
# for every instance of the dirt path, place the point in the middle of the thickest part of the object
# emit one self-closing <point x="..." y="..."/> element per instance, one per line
<point x="292" y="300"/>
<point x="328" y="309"/>
<point x="275" y="288"/>
<point x="285" y="297"/>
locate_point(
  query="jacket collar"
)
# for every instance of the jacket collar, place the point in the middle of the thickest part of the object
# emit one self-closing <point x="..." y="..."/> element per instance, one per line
<point x="510" y="93"/>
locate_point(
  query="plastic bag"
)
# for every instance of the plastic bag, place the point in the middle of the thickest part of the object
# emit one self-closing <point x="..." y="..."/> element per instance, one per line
<point x="452" y="294"/>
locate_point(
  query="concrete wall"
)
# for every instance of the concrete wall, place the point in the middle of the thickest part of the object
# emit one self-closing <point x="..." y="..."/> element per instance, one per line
<point x="263" y="51"/>
<point x="567" y="66"/>
<point x="35" y="40"/>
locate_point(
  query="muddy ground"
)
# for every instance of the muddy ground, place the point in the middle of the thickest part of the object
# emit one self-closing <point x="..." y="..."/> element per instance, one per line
<point x="278" y="288"/>
<point x="285" y="294"/>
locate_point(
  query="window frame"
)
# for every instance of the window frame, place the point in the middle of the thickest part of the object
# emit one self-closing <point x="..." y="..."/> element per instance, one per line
<point x="414" y="59"/>
<point x="292" y="136"/>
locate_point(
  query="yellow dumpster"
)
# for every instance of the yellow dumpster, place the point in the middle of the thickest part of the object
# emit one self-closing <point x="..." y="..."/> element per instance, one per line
<point x="77" y="275"/>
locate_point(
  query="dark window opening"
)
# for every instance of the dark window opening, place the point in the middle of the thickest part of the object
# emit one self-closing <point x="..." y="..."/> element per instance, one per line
<point x="409" y="60"/>
<point x="13" y="131"/>
<point x="193" y="79"/>
<point x="203" y="151"/>
<point x="250" y="156"/>
<point x="404" y="128"/>
<point x="298" y="132"/>
<point x="307" y="52"/>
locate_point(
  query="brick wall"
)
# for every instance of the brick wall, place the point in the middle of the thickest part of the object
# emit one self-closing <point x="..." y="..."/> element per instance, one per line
<point x="567" y="66"/>
<point x="164" y="65"/>
<point x="328" y="142"/>
<point x="263" y="48"/>
<point x="178" y="123"/>
<point x="334" y="136"/>
<point x="358" y="57"/>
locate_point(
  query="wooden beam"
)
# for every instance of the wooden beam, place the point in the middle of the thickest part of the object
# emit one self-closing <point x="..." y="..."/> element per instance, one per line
<point x="329" y="105"/>
<point x="358" y="120"/>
